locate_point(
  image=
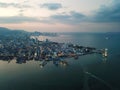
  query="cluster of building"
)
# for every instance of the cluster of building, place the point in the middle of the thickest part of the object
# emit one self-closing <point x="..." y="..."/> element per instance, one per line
<point x="25" y="48"/>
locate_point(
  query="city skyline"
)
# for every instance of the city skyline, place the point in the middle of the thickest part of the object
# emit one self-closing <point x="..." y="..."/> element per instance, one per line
<point x="61" y="15"/>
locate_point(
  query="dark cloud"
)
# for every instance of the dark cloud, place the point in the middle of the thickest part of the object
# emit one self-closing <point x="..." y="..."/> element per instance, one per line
<point x="16" y="5"/>
<point x="71" y="18"/>
<point x="108" y="13"/>
<point x="105" y="14"/>
<point x="18" y="19"/>
<point x="51" y="6"/>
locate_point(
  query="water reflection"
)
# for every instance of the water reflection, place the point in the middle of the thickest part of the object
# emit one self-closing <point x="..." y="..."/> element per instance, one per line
<point x="55" y="62"/>
<point x="104" y="59"/>
<point x="90" y="80"/>
<point x="42" y="63"/>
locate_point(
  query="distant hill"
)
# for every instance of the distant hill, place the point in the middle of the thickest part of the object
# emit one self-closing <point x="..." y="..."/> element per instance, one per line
<point x="9" y="31"/>
<point x="5" y="32"/>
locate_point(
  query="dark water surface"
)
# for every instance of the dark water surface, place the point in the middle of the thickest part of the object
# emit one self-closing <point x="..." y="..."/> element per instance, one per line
<point x="98" y="72"/>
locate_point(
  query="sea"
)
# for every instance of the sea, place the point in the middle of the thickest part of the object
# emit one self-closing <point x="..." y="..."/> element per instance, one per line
<point x="89" y="72"/>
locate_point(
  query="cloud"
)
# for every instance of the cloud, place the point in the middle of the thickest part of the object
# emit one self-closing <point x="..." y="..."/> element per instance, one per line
<point x="51" y="6"/>
<point x="105" y="14"/>
<point x="17" y="19"/>
<point x="70" y="18"/>
<point x="16" y="5"/>
<point x="109" y="13"/>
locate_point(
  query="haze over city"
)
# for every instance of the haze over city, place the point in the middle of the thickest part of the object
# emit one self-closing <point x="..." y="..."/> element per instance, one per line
<point x="61" y="15"/>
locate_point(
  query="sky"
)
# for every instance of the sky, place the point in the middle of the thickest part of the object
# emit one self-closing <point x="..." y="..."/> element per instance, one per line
<point x="61" y="15"/>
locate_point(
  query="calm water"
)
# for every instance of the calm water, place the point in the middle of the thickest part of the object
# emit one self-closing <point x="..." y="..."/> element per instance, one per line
<point x="102" y="71"/>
